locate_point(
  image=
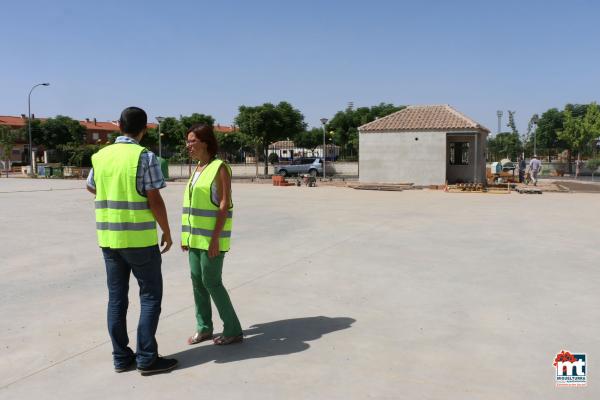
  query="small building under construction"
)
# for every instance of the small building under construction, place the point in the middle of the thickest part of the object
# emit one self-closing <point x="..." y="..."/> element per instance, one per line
<point x="424" y="145"/>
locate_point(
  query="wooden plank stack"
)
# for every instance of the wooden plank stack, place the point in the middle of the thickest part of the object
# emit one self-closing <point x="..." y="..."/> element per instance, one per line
<point x="392" y="187"/>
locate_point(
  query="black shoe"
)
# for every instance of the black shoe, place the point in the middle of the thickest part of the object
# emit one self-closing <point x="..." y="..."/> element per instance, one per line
<point x="127" y="367"/>
<point x="159" y="365"/>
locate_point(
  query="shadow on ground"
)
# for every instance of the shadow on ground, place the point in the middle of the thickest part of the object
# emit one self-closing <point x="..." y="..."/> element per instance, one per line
<point x="265" y="340"/>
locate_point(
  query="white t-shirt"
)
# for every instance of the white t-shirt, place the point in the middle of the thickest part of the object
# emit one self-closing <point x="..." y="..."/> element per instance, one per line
<point x="213" y="189"/>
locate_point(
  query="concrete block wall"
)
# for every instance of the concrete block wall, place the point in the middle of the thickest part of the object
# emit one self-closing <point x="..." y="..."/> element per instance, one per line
<point x="343" y="168"/>
<point x="403" y="157"/>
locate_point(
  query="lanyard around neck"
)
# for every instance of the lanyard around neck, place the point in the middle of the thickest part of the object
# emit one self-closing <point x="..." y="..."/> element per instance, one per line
<point x="192" y="181"/>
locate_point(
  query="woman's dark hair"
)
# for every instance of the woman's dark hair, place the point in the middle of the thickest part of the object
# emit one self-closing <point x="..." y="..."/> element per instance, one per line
<point x="205" y="133"/>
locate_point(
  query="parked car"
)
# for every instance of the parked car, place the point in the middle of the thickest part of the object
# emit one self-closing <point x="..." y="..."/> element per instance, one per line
<point x="304" y="165"/>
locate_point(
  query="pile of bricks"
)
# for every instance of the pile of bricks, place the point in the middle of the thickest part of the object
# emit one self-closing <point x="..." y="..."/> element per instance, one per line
<point x="279" y="180"/>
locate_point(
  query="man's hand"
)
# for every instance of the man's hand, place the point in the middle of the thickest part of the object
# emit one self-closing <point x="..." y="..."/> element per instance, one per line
<point x="213" y="248"/>
<point x="166" y="241"/>
<point x="157" y="206"/>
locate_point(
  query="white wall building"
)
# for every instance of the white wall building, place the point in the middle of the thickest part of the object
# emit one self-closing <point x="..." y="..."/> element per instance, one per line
<point x="424" y="145"/>
<point x="286" y="149"/>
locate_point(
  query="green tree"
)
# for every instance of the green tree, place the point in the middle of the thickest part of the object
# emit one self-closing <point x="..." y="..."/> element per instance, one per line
<point x="188" y="121"/>
<point x="230" y="144"/>
<point x="310" y="139"/>
<point x="527" y="139"/>
<point x="268" y="123"/>
<point x="593" y="164"/>
<point x="511" y="122"/>
<point x="78" y="155"/>
<point x="552" y="135"/>
<point x="383" y="109"/>
<point x="61" y="130"/>
<point x="577" y="110"/>
<point x="345" y="123"/>
<point x="548" y="126"/>
<point x="173" y="133"/>
<point x="577" y="132"/>
<point x="177" y="138"/>
<point x="113" y="136"/>
<point x="273" y="158"/>
<point x="7" y="141"/>
<point x="504" y="145"/>
<point x="36" y="133"/>
<point x="353" y="139"/>
<point x="591" y="123"/>
<point x="150" y="139"/>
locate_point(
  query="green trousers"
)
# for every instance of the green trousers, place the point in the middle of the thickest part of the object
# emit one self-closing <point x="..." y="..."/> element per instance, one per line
<point x="207" y="284"/>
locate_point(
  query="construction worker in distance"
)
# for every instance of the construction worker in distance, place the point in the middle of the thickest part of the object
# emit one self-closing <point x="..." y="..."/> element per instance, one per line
<point x="126" y="179"/>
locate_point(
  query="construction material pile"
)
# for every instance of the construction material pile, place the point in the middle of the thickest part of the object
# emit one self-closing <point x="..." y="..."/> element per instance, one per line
<point x="396" y="187"/>
<point x="279" y="180"/>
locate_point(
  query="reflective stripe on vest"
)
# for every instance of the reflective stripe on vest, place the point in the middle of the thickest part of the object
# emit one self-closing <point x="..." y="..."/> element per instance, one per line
<point x="199" y="215"/>
<point x="122" y="205"/>
<point x="204" y="213"/>
<point x="123" y="216"/>
<point x="125" y="226"/>
<point x="203" y="232"/>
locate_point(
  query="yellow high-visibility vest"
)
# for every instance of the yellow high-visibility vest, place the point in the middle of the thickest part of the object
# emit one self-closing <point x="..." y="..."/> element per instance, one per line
<point x="199" y="216"/>
<point x="123" y="216"/>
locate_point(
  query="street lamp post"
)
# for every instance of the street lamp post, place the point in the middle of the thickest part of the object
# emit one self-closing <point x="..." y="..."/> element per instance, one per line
<point x="160" y="120"/>
<point x="29" y="126"/>
<point x="324" y="121"/>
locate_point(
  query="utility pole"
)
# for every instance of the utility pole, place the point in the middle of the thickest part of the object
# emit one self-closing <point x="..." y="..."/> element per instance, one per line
<point x="499" y="114"/>
<point x="324" y="121"/>
<point x="31" y="160"/>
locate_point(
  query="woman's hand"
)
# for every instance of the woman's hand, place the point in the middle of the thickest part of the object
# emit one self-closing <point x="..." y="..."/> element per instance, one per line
<point x="184" y="248"/>
<point x="213" y="248"/>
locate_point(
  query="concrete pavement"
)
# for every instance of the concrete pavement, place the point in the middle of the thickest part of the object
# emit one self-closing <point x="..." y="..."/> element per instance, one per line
<point x="343" y="294"/>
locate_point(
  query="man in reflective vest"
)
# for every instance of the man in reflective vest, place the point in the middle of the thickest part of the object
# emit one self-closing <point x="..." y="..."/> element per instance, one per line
<point x="126" y="179"/>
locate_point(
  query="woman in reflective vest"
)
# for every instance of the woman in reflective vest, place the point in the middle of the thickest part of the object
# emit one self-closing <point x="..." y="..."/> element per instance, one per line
<point x="205" y="233"/>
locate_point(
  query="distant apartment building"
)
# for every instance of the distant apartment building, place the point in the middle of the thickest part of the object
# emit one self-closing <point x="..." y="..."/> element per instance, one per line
<point x="97" y="132"/>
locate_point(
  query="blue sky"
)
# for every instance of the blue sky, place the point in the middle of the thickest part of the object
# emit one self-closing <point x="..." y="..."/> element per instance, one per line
<point x="178" y="57"/>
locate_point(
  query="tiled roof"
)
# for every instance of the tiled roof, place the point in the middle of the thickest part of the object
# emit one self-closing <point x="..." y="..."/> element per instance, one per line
<point x="90" y="125"/>
<point x="111" y="126"/>
<point x="282" y="144"/>
<point x="15" y="122"/>
<point x="224" y="128"/>
<point x="418" y="118"/>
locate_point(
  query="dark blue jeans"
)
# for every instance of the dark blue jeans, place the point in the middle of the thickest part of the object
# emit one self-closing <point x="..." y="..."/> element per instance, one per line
<point x="145" y="264"/>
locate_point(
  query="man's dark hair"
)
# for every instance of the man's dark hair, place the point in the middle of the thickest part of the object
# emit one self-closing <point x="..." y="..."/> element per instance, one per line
<point x="133" y="120"/>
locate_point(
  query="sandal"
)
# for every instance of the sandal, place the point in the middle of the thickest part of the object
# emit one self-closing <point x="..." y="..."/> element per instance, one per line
<point x="225" y="340"/>
<point x="199" y="337"/>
